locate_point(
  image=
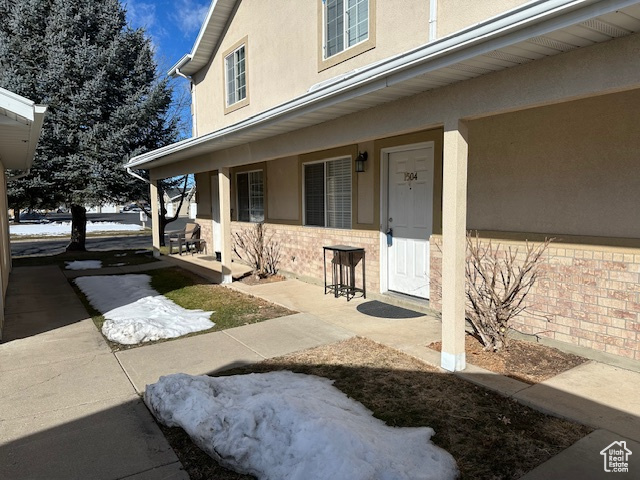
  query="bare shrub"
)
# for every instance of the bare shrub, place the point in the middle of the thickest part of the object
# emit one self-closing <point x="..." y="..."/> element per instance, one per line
<point x="497" y="283"/>
<point x="257" y="247"/>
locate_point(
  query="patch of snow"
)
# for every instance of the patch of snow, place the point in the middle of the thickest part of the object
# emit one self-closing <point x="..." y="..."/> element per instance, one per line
<point x="122" y="264"/>
<point x="64" y="228"/>
<point x="284" y="425"/>
<point x="83" y="264"/>
<point x="119" y="254"/>
<point x="136" y="313"/>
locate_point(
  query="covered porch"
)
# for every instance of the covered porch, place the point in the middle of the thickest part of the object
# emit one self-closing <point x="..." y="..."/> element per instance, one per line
<point x="524" y="61"/>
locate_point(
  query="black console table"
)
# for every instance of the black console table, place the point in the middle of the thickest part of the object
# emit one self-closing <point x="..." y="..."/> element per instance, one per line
<point x="343" y="271"/>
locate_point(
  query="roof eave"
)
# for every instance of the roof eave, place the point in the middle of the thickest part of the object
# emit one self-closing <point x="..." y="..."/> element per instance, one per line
<point x="527" y="21"/>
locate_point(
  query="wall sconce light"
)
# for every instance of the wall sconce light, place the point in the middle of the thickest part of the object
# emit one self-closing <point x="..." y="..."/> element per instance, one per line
<point x="360" y="159"/>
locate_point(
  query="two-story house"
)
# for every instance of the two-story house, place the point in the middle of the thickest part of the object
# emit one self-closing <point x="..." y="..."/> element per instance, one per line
<point x="396" y="126"/>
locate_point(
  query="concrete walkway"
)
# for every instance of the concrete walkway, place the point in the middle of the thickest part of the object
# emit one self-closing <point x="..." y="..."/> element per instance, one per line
<point x="70" y="403"/>
<point x="67" y="411"/>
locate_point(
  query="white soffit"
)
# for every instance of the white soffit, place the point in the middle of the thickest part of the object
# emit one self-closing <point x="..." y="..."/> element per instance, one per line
<point x="534" y="31"/>
<point x="20" y="125"/>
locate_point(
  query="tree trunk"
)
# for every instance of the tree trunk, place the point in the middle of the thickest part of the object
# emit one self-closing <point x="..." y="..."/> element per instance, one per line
<point x="16" y="215"/>
<point x="78" y="229"/>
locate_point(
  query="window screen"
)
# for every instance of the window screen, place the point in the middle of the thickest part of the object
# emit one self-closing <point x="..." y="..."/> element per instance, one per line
<point x="314" y="194"/>
<point x="236" y="76"/>
<point x="346" y="24"/>
<point x="250" y="188"/>
<point x="327" y="193"/>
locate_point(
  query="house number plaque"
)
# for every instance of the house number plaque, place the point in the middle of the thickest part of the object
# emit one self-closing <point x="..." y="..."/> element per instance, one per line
<point x="409" y="176"/>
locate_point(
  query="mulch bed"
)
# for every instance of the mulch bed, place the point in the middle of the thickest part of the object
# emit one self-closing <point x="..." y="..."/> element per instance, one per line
<point x="490" y="436"/>
<point x="258" y="280"/>
<point x="525" y="361"/>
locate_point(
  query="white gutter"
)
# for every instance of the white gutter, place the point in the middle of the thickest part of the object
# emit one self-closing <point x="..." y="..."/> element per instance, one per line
<point x="517" y="25"/>
<point x="194" y="124"/>
<point x="433" y="20"/>
<point x="135" y="175"/>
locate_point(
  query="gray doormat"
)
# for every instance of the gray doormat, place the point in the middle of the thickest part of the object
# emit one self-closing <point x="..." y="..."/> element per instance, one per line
<point x="378" y="309"/>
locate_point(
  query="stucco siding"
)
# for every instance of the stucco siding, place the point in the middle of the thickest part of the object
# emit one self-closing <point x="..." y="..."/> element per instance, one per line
<point x="283" y="44"/>
<point x="283" y="186"/>
<point x="454" y="15"/>
<point x="563" y="169"/>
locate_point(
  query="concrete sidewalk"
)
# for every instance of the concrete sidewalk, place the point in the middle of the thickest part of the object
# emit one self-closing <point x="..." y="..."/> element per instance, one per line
<point x="66" y="408"/>
<point x="70" y="402"/>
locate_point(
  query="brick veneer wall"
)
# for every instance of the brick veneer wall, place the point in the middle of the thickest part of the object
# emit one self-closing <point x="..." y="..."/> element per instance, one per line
<point x="206" y="232"/>
<point x="302" y="254"/>
<point x="591" y="294"/>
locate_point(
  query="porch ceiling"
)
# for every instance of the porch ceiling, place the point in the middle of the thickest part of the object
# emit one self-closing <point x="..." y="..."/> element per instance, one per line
<point x="535" y="31"/>
<point x="20" y="124"/>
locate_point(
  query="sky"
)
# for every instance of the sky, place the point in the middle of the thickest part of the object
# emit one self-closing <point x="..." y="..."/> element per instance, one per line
<point x="173" y="26"/>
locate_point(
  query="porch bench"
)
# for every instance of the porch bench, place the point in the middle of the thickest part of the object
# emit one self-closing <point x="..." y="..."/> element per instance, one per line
<point x="187" y="237"/>
<point x="198" y="245"/>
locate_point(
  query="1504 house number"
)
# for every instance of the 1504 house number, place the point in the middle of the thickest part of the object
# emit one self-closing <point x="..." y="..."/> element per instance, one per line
<point x="409" y="176"/>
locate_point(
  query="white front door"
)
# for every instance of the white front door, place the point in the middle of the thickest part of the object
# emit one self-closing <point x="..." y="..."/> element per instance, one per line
<point x="215" y="214"/>
<point x="410" y="220"/>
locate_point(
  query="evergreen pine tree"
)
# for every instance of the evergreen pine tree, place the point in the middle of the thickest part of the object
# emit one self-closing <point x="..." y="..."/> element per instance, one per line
<point x="98" y="77"/>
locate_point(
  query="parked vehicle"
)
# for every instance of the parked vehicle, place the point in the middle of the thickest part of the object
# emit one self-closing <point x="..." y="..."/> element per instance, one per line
<point x="33" y="217"/>
<point x="131" y="208"/>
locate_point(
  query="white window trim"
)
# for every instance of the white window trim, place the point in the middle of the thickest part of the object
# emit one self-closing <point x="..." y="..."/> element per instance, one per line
<point x="345" y="30"/>
<point x="228" y="108"/>
<point x="304" y="196"/>
<point x="247" y="172"/>
<point x="232" y="57"/>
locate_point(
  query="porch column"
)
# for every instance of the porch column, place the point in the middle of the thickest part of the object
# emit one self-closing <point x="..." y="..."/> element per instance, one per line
<point x="454" y="221"/>
<point x="155" y="217"/>
<point x="225" y="223"/>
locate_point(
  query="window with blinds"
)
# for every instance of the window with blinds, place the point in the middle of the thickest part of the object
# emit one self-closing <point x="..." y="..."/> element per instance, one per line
<point x="327" y="193"/>
<point x="250" y="194"/>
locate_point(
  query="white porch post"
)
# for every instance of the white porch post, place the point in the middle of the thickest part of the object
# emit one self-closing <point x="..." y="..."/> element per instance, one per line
<point x="155" y="217"/>
<point x="225" y="223"/>
<point x="454" y="221"/>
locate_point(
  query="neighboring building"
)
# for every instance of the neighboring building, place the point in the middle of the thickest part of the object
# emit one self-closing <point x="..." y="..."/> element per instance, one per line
<point x="20" y="125"/>
<point x="172" y="198"/>
<point x="517" y="119"/>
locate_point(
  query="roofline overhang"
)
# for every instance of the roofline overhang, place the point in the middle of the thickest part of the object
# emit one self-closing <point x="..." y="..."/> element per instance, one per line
<point x="201" y="51"/>
<point x="31" y="114"/>
<point x="529" y="21"/>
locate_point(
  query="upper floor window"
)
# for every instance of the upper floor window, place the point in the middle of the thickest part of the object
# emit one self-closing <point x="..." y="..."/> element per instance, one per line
<point x="346" y="23"/>
<point x="236" y="78"/>
<point x="250" y="188"/>
<point x="327" y="193"/>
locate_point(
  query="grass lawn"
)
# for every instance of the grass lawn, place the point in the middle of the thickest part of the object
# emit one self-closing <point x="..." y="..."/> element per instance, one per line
<point x="108" y="258"/>
<point x="231" y="308"/>
<point x="491" y="437"/>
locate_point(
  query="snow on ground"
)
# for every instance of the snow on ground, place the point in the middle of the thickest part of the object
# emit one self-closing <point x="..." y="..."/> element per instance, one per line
<point x="136" y="313"/>
<point x="283" y="425"/>
<point x="83" y="264"/>
<point x="64" y="228"/>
